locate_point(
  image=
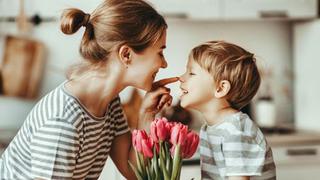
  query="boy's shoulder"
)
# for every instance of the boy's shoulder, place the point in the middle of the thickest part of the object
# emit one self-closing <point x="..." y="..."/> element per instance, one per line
<point x="236" y="126"/>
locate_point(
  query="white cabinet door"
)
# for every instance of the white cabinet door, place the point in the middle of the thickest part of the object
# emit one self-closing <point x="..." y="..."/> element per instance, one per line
<point x="306" y="43"/>
<point x="46" y="8"/>
<point x="189" y="172"/>
<point x="257" y="9"/>
<point x="297" y="162"/>
<point x="193" y="9"/>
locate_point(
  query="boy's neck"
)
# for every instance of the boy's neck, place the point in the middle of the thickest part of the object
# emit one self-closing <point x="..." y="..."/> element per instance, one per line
<point x="215" y="112"/>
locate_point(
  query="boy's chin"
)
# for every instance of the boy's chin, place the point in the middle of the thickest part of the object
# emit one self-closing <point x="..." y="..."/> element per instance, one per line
<point x="185" y="104"/>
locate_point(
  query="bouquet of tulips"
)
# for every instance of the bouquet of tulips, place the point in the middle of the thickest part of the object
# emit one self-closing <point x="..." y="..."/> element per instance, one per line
<point x="159" y="154"/>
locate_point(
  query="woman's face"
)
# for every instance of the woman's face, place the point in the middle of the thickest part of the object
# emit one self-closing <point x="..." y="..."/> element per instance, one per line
<point x="145" y="65"/>
<point x="197" y="86"/>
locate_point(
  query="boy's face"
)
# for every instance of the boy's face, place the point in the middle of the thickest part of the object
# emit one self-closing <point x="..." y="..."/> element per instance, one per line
<point x="197" y="86"/>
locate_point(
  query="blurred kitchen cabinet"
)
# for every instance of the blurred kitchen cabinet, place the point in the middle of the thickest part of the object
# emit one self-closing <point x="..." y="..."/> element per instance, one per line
<point x="296" y="162"/>
<point x="193" y="9"/>
<point x="306" y="38"/>
<point x="10" y="8"/>
<point x="190" y="172"/>
<point x="274" y="9"/>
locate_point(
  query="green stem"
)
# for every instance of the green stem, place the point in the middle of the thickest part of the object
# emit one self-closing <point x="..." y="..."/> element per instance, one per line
<point x="143" y="167"/>
<point x="176" y="163"/>
<point x="155" y="163"/>
<point x="168" y="159"/>
<point x="135" y="171"/>
<point x="148" y="174"/>
<point x="162" y="163"/>
<point x="138" y="163"/>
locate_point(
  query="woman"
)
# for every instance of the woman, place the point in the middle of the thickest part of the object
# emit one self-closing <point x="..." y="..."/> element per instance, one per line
<point x="71" y="131"/>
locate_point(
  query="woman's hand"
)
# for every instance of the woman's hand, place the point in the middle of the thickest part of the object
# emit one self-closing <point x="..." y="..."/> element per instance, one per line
<point x="155" y="100"/>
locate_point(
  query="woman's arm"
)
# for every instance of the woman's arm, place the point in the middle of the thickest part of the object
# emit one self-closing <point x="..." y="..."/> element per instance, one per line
<point x="122" y="151"/>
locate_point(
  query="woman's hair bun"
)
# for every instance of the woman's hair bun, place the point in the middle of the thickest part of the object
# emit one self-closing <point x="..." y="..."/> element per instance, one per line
<point x="72" y="19"/>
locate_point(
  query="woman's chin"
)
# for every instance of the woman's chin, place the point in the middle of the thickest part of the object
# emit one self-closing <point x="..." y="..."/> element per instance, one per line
<point x="145" y="87"/>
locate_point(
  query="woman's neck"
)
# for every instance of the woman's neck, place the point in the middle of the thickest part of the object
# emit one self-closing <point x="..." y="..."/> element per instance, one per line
<point x="96" y="91"/>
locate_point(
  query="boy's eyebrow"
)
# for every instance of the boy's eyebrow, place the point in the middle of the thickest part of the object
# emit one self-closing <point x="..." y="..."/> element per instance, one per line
<point x="163" y="47"/>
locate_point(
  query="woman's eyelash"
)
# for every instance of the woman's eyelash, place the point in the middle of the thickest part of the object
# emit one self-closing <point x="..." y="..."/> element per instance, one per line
<point x="191" y="73"/>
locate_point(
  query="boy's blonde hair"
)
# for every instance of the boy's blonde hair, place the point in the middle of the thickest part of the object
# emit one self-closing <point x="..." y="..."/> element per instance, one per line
<point x="226" y="61"/>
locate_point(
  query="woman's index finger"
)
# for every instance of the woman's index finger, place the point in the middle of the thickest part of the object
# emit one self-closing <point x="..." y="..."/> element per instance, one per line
<point x="165" y="81"/>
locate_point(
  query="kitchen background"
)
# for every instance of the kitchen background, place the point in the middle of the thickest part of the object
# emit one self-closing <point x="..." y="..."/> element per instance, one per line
<point x="283" y="34"/>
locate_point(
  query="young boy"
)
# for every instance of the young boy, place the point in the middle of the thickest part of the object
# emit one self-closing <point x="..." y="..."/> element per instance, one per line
<point x="221" y="78"/>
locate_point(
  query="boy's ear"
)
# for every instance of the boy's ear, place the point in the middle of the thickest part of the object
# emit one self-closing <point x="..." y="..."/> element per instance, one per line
<point x="222" y="88"/>
<point x="125" y="53"/>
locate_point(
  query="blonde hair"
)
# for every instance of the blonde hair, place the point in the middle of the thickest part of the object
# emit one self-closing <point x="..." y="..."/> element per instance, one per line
<point x="112" y="24"/>
<point x="226" y="61"/>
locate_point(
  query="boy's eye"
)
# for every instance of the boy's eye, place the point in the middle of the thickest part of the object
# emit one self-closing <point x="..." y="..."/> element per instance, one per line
<point x="161" y="54"/>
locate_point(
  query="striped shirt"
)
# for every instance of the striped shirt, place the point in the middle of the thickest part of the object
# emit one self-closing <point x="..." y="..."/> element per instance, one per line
<point x="60" y="139"/>
<point x="235" y="147"/>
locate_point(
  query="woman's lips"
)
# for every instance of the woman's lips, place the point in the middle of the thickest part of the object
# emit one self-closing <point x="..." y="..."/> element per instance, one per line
<point x="154" y="75"/>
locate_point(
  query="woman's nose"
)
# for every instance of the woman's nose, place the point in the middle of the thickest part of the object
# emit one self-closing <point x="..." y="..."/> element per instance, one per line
<point x="164" y="63"/>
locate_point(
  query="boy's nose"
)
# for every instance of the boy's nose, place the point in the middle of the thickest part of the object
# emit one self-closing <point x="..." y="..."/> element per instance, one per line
<point x="181" y="78"/>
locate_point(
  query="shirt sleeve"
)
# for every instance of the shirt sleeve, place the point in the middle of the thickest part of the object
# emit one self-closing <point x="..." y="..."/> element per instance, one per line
<point x="54" y="148"/>
<point x="243" y="155"/>
<point x="122" y="126"/>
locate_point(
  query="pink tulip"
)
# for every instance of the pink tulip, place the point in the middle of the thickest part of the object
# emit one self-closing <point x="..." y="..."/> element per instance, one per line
<point x="142" y="142"/>
<point x="160" y="130"/>
<point x="136" y="145"/>
<point x="147" y="147"/>
<point x="178" y="134"/>
<point x="191" y="145"/>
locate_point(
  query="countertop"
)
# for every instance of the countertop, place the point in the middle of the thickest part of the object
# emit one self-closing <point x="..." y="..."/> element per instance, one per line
<point x="294" y="139"/>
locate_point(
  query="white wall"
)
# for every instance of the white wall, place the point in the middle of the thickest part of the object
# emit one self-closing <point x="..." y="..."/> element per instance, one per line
<point x="307" y="83"/>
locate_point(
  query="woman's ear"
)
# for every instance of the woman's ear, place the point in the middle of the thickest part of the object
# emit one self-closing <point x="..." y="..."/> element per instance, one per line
<point x="125" y="55"/>
<point x="222" y="89"/>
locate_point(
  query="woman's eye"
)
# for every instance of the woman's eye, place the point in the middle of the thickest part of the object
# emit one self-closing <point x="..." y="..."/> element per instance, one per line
<point x="191" y="74"/>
